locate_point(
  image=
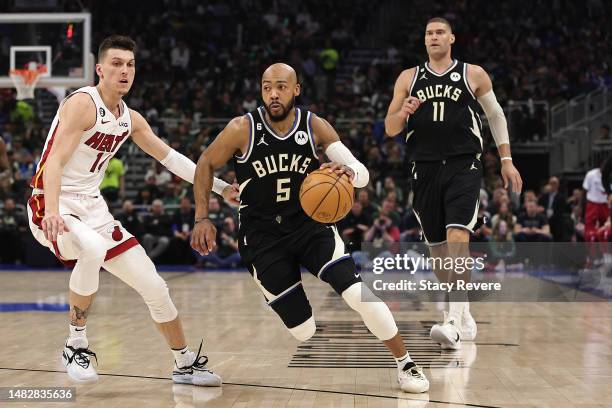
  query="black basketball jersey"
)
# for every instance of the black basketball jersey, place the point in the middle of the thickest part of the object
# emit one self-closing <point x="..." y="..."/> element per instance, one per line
<point x="447" y="123"/>
<point x="271" y="172"/>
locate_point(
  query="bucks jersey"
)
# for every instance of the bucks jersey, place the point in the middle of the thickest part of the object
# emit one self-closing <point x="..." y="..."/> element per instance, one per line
<point x="447" y="123"/>
<point x="271" y="172"/>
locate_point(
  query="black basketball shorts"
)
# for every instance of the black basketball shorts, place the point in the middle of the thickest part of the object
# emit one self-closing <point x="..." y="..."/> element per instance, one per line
<point x="275" y="260"/>
<point x="446" y="195"/>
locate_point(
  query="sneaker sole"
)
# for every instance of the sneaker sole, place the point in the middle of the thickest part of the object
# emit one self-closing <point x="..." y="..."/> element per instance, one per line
<point x="446" y="343"/>
<point x="180" y="379"/>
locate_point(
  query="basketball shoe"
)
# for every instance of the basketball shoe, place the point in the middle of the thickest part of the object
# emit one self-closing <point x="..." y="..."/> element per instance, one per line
<point x="196" y="373"/>
<point x="468" y="326"/>
<point x="78" y="363"/>
<point x="447" y="334"/>
<point x="411" y="379"/>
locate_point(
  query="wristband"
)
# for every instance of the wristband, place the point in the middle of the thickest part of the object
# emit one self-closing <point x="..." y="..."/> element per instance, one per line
<point x="505" y="158"/>
<point x="198" y="220"/>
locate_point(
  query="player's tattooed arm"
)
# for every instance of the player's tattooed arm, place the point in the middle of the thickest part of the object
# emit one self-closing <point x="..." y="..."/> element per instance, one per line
<point x="402" y="105"/>
<point x="233" y="140"/>
<point x="77" y="114"/>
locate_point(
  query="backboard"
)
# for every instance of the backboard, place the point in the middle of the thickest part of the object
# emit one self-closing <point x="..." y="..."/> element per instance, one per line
<point x="61" y="41"/>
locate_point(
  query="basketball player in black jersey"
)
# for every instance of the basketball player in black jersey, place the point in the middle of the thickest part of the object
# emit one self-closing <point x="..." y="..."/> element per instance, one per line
<point x="435" y="106"/>
<point x="273" y="150"/>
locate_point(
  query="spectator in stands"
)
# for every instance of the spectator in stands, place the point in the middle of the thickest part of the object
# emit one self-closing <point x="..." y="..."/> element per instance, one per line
<point x="502" y="246"/>
<point x="556" y="210"/>
<point x="160" y="174"/>
<point x="215" y="212"/>
<point x="353" y="227"/>
<point x="157" y="231"/>
<point x="113" y="183"/>
<point x="368" y="208"/>
<point x="410" y="227"/>
<point x="389" y="209"/>
<point x="577" y="218"/>
<point x="532" y="226"/>
<point x="597" y="210"/>
<point x="225" y="254"/>
<point x="128" y="217"/>
<point x="604" y="132"/>
<point x="182" y="222"/>
<point x="504" y="214"/>
<point x="13" y="225"/>
<point x="383" y="230"/>
<point x="148" y="192"/>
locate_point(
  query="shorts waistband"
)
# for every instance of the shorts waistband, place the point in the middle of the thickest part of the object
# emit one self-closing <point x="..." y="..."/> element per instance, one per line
<point x="37" y="191"/>
<point x="470" y="156"/>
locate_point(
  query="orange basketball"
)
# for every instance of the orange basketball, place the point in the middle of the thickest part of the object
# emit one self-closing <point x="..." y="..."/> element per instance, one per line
<point x="326" y="197"/>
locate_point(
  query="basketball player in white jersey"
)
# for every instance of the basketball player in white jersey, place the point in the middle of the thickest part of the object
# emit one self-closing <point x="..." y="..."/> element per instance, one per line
<point x="68" y="215"/>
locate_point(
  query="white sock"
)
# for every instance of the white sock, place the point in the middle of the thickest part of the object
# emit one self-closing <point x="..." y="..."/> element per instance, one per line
<point x="77" y="337"/>
<point x="402" y="361"/>
<point x="455" y="311"/>
<point x="182" y="357"/>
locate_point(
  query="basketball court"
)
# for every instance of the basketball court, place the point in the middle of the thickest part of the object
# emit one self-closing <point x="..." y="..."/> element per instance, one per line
<point x="526" y="354"/>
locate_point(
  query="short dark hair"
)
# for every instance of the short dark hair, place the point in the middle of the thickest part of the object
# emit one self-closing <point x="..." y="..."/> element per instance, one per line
<point x="440" y="20"/>
<point x="121" y="42"/>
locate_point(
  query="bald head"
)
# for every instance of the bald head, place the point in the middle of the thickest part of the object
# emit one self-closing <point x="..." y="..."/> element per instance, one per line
<point x="279" y="87"/>
<point x="280" y="71"/>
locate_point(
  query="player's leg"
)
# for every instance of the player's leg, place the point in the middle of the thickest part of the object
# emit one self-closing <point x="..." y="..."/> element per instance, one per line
<point x="83" y="244"/>
<point x="136" y="269"/>
<point x="461" y="202"/>
<point x="322" y="252"/>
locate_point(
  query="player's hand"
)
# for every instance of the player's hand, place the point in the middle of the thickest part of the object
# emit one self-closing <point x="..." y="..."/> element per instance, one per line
<point x="231" y="194"/>
<point x="53" y="225"/>
<point x="410" y="105"/>
<point x="339" y="169"/>
<point x="510" y="174"/>
<point x="204" y="237"/>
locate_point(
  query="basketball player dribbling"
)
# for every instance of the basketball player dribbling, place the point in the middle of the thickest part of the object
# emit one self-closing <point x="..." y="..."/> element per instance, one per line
<point x="68" y="215"/>
<point x="273" y="150"/>
<point x="435" y="105"/>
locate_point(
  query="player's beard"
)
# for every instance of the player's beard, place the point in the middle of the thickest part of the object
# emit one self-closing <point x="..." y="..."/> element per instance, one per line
<point x="285" y="111"/>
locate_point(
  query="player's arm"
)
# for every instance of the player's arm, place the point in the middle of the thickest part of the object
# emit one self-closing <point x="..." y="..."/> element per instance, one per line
<point x="76" y="115"/>
<point x="402" y="105"/>
<point x="177" y="163"/>
<point x="482" y="87"/>
<point x="342" y="160"/>
<point x="232" y="140"/>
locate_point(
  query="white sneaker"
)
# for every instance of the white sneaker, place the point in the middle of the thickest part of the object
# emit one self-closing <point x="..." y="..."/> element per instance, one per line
<point x="196" y="373"/>
<point x="446" y="334"/>
<point x="411" y="379"/>
<point x="468" y="326"/>
<point x="78" y="363"/>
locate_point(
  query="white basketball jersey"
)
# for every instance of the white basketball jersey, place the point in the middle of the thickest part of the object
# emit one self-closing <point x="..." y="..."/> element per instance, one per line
<point x="85" y="170"/>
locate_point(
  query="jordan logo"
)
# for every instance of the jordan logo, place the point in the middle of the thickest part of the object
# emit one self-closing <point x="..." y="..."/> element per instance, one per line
<point x="473" y="167"/>
<point x="423" y="76"/>
<point x="262" y="141"/>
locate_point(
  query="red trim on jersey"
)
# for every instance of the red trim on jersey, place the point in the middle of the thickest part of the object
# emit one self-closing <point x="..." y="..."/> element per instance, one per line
<point x="37" y="205"/>
<point x="37" y="179"/>
<point x="121" y="248"/>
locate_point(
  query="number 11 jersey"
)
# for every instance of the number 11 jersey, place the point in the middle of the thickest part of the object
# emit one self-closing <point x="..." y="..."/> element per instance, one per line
<point x="85" y="169"/>
<point x="447" y="123"/>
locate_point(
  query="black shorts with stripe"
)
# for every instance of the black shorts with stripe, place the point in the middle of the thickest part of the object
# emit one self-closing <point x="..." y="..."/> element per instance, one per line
<point x="446" y="195"/>
<point x="275" y="259"/>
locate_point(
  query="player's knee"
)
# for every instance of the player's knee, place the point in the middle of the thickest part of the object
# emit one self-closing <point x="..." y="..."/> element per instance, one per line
<point x="457" y="235"/>
<point x="374" y="312"/>
<point x="294" y="309"/>
<point x="341" y="274"/>
<point x="157" y="297"/>
<point x="304" y="331"/>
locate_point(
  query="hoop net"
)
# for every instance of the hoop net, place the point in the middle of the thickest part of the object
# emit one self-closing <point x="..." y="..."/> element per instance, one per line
<point x="25" y="80"/>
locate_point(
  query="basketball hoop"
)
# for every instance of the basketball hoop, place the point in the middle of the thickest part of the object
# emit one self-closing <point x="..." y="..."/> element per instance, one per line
<point x="25" y="80"/>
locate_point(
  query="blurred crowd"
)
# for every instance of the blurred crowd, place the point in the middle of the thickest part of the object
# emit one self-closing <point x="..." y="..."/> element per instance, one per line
<point x="198" y="61"/>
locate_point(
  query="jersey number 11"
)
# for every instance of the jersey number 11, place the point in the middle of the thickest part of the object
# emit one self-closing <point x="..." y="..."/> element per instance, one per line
<point x="438" y="114"/>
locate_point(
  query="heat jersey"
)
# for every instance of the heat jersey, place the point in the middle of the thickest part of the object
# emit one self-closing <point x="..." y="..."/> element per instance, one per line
<point x="84" y="172"/>
<point x="447" y="123"/>
<point x="271" y="172"/>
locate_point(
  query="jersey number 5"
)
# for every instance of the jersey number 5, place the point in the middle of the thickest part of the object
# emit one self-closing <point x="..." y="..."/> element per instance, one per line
<point x="282" y="190"/>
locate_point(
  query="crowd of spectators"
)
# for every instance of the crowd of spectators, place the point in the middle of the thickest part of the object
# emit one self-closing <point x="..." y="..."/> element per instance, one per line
<point x="199" y="61"/>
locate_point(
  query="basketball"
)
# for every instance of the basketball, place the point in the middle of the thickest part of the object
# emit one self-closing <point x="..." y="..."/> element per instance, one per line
<point x="326" y="197"/>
